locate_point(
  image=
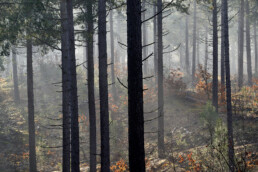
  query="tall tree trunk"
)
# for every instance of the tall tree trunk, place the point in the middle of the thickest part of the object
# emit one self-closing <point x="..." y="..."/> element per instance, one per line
<point x="241" y="44"/>
<point x="75" y="145"/>
<point x="103" y="87"/>
<point x="198" y="48"/>
<point x="144" y="37"/>
<point x="135" y="87"/>
<point x="30" y="92"/>
<point x="248" y="46"/>
<point x="155" y="37"/>
<point x="65" y="94"/>
<point x="255" y="50"/>
<point x="91" y="94"/>
<point x="187" y="46"/>
<point x="70" y="99"/>
<point x="160" y="85"/>
<point x="222" y="60"/>
<point x="206" y="50"/>
<point x="228" y="87"/>
<point x="215" y="57"/>
<point x="112" y="49"/>
<point x="181" y="53"/>
<point x="15" y="77"/>
<point x="194" y="44"/>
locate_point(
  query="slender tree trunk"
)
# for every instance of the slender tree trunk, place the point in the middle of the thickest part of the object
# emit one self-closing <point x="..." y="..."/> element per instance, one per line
<point x="215" y="57"/>
<point x="65" y="88"/>
<point x="135" y="87"/>
<point x="222" y="60"/>
<point x="206" y="50"/>
<point x="248" y="46"/>
<point x="91" y="94"/>
<point x="241" y="44"/>
<point x="187" y="46"/>
<point x="103" y="87"/>
<point x="69" y="81"/>
<point x="30" y="92"/>
<point x="155" y="37"/>
<point x="181" y="58"/>
<point x="228" y="87"/>
<point x="198" y="48"/>
<point x="194" y="44"/>
<point x="144" y="37"/>
<point x="7" y="68"/>
<point x="160" y="85"/>
<point x="75" y="153"/>
<point x="112" y="56"/>
<point x="255" y="50"/>
<point x="15" y="77"/>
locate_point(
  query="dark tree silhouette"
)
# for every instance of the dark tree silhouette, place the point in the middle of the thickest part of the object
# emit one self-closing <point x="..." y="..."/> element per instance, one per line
<point x="215" y="57"/>
<point x="66" y="118"/>
<point x="30" y="92"/>
<point x="228" y="87"/>
<point x="135" y="87"/>
<point x="248" y="45"/>
<point x="69" y="86"/>
<point x="255" y="49"/>
<point x="222" y="60"/>
<point x="241" y="44"/>
<point x="91" y="94"/>
<point x="160" y="84"/>
<point x="103" y="87"/>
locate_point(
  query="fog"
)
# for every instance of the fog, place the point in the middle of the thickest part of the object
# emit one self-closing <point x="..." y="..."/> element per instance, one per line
<point x="155" y="86"/>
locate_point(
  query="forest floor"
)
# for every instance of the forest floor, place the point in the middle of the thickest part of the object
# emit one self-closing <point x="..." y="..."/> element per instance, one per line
<point x="187" y="139"/>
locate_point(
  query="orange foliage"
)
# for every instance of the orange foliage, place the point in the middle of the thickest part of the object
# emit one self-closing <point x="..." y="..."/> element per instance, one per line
<point x="204" y="84"/>
<point x="181" y="159"/>
<point x="174" y="82"/>
<point x="120" y="166"/>
<point x="193" y="166"/>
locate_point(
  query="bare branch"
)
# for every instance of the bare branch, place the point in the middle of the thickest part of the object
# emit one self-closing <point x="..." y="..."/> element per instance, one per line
<point x="122" y="83"/>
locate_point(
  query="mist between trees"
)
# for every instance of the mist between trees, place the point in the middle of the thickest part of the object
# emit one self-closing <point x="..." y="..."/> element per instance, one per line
<point x="130" y="85"/>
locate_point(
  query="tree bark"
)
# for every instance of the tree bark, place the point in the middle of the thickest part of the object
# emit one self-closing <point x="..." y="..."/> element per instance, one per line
<point x="255" y="50"/>
<point x="228" y="87"/>
<point x="155" y="37"/>
<point x="75" y="145"/>
<point x="206" y="50"/>
<point x="160" y="85"/>
<point x="112" y="49"/>
<point x="65" y="95"/>
<point x="15" y="77"/>
<point x="248" y="46"/>
<point x="30" y="92"/>
<point x="103" y="87"/>
<point x="215" y="57"/>
<point x="69" y="83"/>
<point x="194" y="44"/>
<point x="187" y="46"/>
<point x="144" y="37"/>
<point x="222" y="60"/>
<point x="91" y="94"/>
<point x="198" y="48"/>
<point x="135" y="87"/>
<point x="241" y="44"/>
